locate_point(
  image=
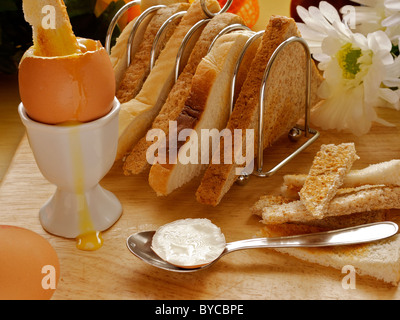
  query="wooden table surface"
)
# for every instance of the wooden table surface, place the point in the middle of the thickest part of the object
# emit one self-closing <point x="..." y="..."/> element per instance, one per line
<point x="112" y="272"/>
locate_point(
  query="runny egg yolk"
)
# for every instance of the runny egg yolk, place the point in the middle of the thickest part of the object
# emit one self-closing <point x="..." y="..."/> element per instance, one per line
<point x="89" y="239"/>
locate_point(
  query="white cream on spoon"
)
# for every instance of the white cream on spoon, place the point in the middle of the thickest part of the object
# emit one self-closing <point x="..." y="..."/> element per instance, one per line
<point x="189" y="243"/>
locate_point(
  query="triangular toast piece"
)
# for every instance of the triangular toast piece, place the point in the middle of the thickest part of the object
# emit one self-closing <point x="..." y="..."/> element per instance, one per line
<point x="137" y="115"/>
<point x="379" y="259"/>
<point x="136" y="74"/>
<point x="136" y="162"/>
<point x="207" y="108"/>
<point x="118" y="56"/>
<point x="285" y="101"/>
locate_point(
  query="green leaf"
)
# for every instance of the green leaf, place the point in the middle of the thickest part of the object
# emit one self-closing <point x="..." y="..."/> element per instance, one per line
<point x="8" y="5"/>
<point x="105" y="18"/>
<point x="84" y="22"/>
<point x="395" y="50"/>
<point x="15" y="36"/>
<point x="79" y="7"/>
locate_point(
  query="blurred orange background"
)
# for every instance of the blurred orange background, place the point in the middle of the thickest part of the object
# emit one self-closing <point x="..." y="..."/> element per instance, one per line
<point x="255" y="12"/>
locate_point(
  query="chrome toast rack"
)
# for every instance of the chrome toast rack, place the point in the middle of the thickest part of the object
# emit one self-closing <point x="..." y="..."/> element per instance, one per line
<point x="294" y="135"/>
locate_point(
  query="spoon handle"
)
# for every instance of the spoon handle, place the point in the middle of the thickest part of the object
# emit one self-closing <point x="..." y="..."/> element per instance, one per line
<point x="353" y="235"/>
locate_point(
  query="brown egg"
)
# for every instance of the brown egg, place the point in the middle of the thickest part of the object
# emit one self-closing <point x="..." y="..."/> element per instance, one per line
<point x="78" y="87"/>
<point x="29" y="266"/>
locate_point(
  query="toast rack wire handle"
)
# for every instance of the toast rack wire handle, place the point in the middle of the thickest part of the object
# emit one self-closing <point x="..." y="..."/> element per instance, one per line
<point x="210" y="14"/>
<point x="135" y="27"/>
<point x="227" y="29"/>
<point x="307" y="130"/>
<point x="192" y="30"/>
<point x="160" y="32"/>
<point x="115" y="20"/>
<point x="184" y="43"/>
<point x="189" y="35"/>
<point x="246" y="46"/>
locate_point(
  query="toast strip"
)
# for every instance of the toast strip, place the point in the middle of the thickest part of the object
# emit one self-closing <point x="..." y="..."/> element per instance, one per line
<point x="58" y="40"/>
<point x="384" y="173"/>
<point x="326" y="175"/>
<point x="136" y="162"/>
<point x="379" y="259"/>
<point x="348" y="201"/>
<point x="334" y="222"/>
<point x="267" y="201"/>
<point x="280" y="115"/>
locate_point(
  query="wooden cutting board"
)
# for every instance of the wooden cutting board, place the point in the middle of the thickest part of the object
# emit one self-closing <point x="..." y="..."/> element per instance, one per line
<point x="112" y="272"/>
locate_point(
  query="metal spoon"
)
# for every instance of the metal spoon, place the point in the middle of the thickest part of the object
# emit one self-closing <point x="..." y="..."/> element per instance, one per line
<point x="140" y="243"/>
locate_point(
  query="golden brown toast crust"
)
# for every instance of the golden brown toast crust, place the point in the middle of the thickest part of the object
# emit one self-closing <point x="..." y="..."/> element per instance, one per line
<point x="137" y="72"/>
<point x="206" y="108"/>
<point x="141" y="111"/>
<point x="136" y="161"/>
<point x="352" y="200"/>
<point x="283" y="107"/>
<point x="326" y="176"/>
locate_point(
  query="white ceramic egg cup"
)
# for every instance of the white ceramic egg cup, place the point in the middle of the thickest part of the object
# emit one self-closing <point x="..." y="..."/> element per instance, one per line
<point x="97" y="146"/>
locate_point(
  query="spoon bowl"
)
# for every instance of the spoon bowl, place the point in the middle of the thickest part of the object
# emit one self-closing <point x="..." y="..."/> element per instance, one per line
<point x="140" y="243"/>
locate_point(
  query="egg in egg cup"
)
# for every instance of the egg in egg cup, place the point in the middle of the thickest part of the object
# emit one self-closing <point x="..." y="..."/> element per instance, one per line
<point x="69" y="109"/>
<point x="75" y="158"/>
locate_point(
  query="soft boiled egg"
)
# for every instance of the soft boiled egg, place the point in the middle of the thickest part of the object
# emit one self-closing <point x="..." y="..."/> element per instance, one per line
<point x="76" y="87"/>
<point x="29" y="266"/>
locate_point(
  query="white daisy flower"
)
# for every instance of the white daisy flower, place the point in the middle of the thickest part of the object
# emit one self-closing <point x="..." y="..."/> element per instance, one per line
<point x="393" y="81"/>
<point x="375" y="15"/>
<point x="358" y="70"/>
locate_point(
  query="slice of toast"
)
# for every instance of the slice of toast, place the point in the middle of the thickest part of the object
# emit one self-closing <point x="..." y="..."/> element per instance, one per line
<point x="137" y="162"/>
<point x="384" y="173"/>
<point x="52" y="41"/>
<point x="283" y="108"/>
<point x="267" y="201"/>
<point x="346" y="201"/>
<point x="334" y="222"/>
<point x="379" y="259"/>
<point x="207" y="108"/>
<point x="137" y="115"/>
<point x="139" y="69"/>
<point x="118" y="55"/>
<point x="329" y="167"/>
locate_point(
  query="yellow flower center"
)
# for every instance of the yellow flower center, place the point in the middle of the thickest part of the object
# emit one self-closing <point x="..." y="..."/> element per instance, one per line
<point x="348" y="61"/>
